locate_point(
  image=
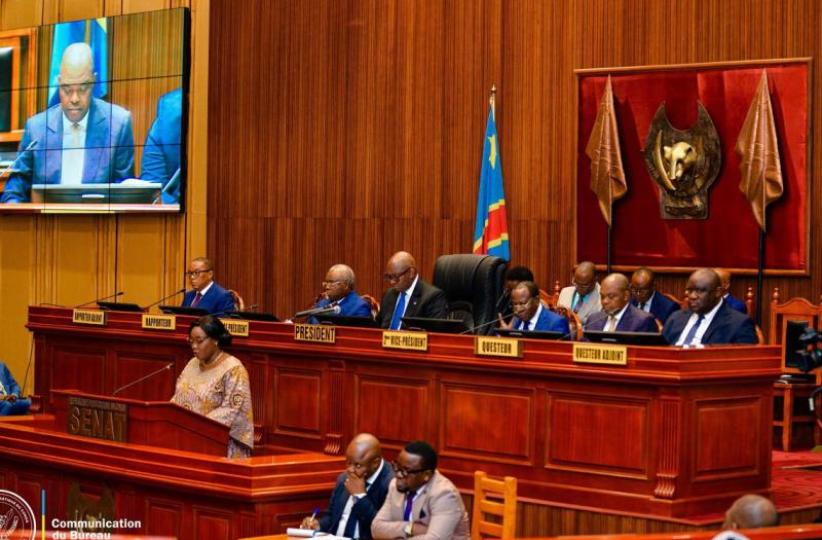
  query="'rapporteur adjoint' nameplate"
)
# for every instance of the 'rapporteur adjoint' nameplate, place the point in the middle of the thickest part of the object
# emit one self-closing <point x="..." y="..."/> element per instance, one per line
<point x="591" y="353"/>
<point x="315" y="333"/>
<point x="159" y="322"/>
<point x="89" y="316"/>
<point x="409" y="341"/>
<point x="497" y="346"/>
<point x="235" y="327"/>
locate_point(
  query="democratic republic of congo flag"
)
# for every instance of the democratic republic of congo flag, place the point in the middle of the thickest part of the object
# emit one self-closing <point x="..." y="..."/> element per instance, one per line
<point x="491" y="231"/>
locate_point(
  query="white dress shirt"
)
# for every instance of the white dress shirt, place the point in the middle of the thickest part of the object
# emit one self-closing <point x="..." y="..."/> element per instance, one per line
<point x="349" y="504"/>
<point x="703" y="326"/>
<point x="74" y="152"/>
<point x="617" y="318"/>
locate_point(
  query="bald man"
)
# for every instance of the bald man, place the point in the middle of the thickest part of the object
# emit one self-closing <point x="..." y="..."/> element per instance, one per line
<point x="582" y="296"/>
<point x="708" y="319"/>
<point x="360" y="491"/>
<point x="751" y="512"/>
<point x="81" y="140"/>
<point x="725" y="285"/>
<point x="338" y="290"/>
<point x="408" y="295"/>
<point x="618" y="315"/>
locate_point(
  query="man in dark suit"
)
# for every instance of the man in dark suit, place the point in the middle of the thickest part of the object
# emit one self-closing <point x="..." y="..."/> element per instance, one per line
<point x="359" y="493"/>
<point x="529" y="313"/>
<point x="409" y="296"/>
<point x="709" y="320"/>
<point x="725" y="285"/>
<point x="645" y="296"/>
<point x="618" y="315"/>
<point x="206" y="293"/>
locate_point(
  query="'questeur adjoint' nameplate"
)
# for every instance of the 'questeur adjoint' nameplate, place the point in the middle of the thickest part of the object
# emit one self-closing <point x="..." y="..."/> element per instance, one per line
<point x="591" y="353"/>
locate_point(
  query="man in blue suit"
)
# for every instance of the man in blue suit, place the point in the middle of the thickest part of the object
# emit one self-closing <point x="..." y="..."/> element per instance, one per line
<point x="206" y="293"/>
<point x="161" y="157"/>
<point x="727" y="297"/>
<point x="529" y="313"/>
<point x="82" y="140"/>
<point x="338" y="290"/>
<point x="11" y="401"/>
<point x="645" y="296"/>
<point x="360" y="491"/>
<point x="708" y="319"/>
<point x="618" y="315"/>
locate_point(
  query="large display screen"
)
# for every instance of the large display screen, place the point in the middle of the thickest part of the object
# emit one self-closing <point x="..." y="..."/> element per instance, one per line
<point x="93" y="115"/>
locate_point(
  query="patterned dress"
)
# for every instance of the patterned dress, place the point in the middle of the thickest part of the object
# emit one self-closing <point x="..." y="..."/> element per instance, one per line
<point x="220" y="392"/>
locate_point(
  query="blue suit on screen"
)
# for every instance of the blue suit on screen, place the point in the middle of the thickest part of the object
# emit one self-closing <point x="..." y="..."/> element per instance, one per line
<point x="8" y="386"/>
<point x="161" y="156"/>
<point x="217" y="301"/>
<point x="351" y="305"/>
<point x="109" y="153"/>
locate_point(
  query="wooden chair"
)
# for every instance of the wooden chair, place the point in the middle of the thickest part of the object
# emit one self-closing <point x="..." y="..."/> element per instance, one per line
<point x="760" y="337"/>
<point x="783" y="532"/>
<point x="548" y="300"/>
<point x="750" y="303"/>
<point x="506" y="510"/>
<point x="574" y="324"/>
<point x="375" y="306"/>
<point x="795" y="309"/>
<point x="683" y="303"/>
<point x="239" y="303"/>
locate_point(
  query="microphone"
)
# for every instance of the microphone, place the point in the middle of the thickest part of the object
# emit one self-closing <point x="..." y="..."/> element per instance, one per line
<point x="483" y="325"/>
<point x="115" y="295"/>
<point x="141" y="379"/>
<point x="20" y="153"/>
<point x="175" y="293"/>
<point x="318" y="311"/>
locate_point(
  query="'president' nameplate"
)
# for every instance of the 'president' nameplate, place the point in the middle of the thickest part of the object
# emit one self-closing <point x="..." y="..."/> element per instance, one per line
<point x="590" y="353"/>
<point x="409" y="341"/>
<point x="497" y="346"/>
<point x="315" y="333"/>
<point x="235" y="327"/>
<point x="159" y="322"/>
<point x="89" y="316"/>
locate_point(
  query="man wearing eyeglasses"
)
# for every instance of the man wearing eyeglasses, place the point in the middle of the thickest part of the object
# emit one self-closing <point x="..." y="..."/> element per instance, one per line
<point x="421" y="503"/>
<point x="408" y="296"/>
<point x="359" y="494"/>
<point x="338" y="290"/>
<point x="82" y="140"/>
<point x="529" y="313"/>
<point x="582" y="296"/>
<point x="206" y="293"/>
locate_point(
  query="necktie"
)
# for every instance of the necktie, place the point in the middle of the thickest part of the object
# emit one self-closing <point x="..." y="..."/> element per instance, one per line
<point x="351" y="524"/>
<point x="197" y="298"/>
<point x="523" y="325"/>
<point x="612" y="322"/>
<point x="577" y="302"/>
<point x="396" y="318"/>
<point x="642" y="305"/>
<point x="409" y="503"/>
<point x="692" y="331"/>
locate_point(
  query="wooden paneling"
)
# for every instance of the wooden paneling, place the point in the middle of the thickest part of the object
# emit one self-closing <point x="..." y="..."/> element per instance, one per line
<point x="344" y="131"/>
<point x="715" y="416"/>
<point x="380" y="401"/>
<point x="298" y="401"/>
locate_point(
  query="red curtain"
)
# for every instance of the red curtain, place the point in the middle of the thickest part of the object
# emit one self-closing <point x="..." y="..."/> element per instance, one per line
<point x="730" y="235"/>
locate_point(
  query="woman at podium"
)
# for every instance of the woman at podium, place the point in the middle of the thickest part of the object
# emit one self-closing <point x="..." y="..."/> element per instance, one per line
<point x="215" y="384"/>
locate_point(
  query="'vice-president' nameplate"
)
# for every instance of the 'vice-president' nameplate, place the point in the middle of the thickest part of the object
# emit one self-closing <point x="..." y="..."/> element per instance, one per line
<point x="497" y="346"/>
<point x="89" y="316"/>
<point x="235" y="327"/>
<point x="159" y="322"/>
<point x="590" y="353"/>
<point x="409" y="341"/>
<point x="315" y="333"/>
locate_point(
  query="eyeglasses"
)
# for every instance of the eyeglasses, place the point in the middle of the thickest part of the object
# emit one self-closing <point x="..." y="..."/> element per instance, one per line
<point x="195" y="273"/>
<point x="395" y="277"/>
<point x="401" y="472"/>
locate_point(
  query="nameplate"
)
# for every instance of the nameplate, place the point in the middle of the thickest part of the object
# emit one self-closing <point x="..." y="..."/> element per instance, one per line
<point x="235" y="327"/>
<point x="497" y="346"/>
<point x="409" y="341"/>
<point x="159" y="322"/>
<point x="315" y="333"/>
<point x="98" y="419"/>
<point x="89" y="316"/>
<point x="590" y="353"/>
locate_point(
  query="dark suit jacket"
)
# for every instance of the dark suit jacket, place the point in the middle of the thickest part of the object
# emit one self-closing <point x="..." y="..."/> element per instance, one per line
<point x="661" y="306"/>
<point x="363" y="510"/>
<point x="736" y="303"/>
<point x="426" y="301"/>
<point x="633" y="320"/>
<point x="161" y="155"/>
<point x="217" y="301"/>
<point x="728" y="326"/>
<point x="548" y="322"/>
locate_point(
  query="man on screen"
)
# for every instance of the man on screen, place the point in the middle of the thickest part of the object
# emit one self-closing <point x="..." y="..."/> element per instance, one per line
<point x="82" y="140"/>
<point x="161" y="157"/>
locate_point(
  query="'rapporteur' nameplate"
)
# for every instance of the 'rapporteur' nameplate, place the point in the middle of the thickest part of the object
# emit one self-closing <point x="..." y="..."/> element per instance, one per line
<point x="159" y="322"/>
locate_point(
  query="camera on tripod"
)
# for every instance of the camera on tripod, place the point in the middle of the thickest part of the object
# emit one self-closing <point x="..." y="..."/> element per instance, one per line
<point x="809" y="356"/>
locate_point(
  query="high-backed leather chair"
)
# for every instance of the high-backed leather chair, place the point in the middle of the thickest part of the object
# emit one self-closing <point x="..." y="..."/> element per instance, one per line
<point x="472" y="284"/>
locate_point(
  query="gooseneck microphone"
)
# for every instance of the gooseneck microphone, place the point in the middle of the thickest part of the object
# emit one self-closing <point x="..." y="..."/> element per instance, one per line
<point x="8" y="167"/>
<point x="318" y="311"/>
<point x="141" y="379"/>
<point x="175" y="293"/>
<point x="483" y="325"/>
<point x="115" y="295"/>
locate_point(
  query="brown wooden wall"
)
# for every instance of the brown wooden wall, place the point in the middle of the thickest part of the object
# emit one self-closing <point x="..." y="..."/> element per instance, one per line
<point x="341" y="131"/>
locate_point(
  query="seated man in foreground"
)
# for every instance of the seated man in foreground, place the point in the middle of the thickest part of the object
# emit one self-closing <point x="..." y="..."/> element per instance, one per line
<point x="751" y="512"/>
<point x="618" y="315"/>
<point x="11" y="400"/>
<point x="421" y="502"/>
<point x="338" y="290"/>
<point x="408" y="296"/>
<point x="360" y="491"/>
<point x="529" y="313"/>
<point x="708" y="320"/>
